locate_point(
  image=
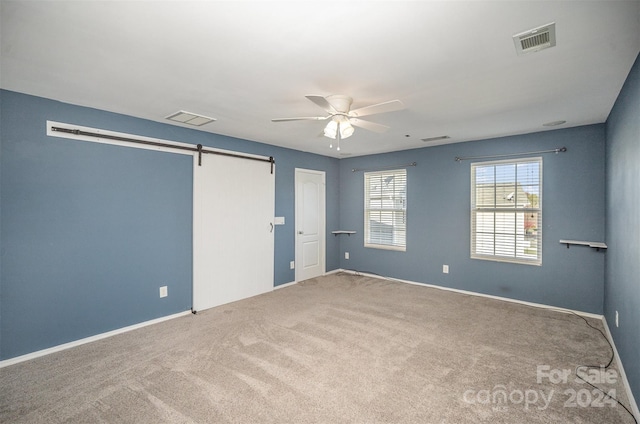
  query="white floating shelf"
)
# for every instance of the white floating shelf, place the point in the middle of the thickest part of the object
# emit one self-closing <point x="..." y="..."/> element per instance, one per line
<point x="335" y="233"/>
<point x="595" y="244"/>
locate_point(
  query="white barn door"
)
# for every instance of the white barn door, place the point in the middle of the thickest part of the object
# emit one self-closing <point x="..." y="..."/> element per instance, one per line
<point x="233" y="240"/>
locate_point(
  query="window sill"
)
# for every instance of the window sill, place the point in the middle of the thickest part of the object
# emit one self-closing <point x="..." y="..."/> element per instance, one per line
<point x="386" y="247"/>
<point x="508" y="260"/>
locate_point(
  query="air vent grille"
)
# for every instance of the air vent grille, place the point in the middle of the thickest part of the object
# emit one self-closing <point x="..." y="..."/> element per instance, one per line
<point x="438" y="138"/>
<point x="535" y="39"/>
<point x="190" y="118"/>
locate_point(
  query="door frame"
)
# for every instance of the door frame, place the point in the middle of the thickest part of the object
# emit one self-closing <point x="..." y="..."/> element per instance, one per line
<point x="323" y="221"/>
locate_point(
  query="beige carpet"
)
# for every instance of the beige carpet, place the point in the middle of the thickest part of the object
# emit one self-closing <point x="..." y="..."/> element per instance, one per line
<point x="337" y="349"/>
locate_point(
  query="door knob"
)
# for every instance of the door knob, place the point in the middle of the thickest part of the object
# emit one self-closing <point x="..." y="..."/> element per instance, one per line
<point x="300" y="232"/>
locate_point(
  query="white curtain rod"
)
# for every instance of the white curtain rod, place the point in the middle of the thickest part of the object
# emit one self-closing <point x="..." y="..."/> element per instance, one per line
<point x="557" y="150"/>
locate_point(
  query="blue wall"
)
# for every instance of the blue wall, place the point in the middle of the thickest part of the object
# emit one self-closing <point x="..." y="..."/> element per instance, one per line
<point x="622" y="276"/>
<point x="438" y="216"/>
<point x="90" y="231"/>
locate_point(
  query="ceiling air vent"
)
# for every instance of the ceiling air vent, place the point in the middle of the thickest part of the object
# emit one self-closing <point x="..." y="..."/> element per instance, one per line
<point x="535" y="39"/>
<point x="190" y="118"/>
<point x="438" y="138"/>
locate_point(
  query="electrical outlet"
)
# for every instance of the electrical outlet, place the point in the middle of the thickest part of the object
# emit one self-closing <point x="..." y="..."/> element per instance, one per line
<point x="445" y="269"/>
<point x="292" y="265"/>
<point x="346" y="255"/>
<point x="617" y="321"/>
<point x="163" y="291"/>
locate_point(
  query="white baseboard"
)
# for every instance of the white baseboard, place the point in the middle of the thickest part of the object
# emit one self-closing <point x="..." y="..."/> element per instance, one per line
<point x="43" y="352"/>
<point x="505" y="299"/>
<point x="632" y="401"/>
<point x="633" y="405"/>
<point x="281" y="286"/>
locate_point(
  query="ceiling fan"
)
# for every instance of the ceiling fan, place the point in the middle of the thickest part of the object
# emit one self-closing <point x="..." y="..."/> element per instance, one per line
<point x="343" y="119"/>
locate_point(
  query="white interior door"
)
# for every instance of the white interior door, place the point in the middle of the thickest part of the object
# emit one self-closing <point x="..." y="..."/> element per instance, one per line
<point x="234" y="206"/>
<point x="310" y="224"/>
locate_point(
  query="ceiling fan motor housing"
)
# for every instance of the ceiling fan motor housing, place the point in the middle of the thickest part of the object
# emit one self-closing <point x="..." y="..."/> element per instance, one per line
<point x="340" y="103"/>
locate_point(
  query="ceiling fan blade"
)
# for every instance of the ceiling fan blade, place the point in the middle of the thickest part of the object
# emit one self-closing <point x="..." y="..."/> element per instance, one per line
<point x="323" y="103"/>
<point x="389" y="106"/>
<point x="302" y="118"/>
<point x="367" y="125"/>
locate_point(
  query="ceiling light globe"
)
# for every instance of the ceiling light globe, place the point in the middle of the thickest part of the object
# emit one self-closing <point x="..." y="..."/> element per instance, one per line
<point x="346" y="130"/>
<point x="331" y="129"/>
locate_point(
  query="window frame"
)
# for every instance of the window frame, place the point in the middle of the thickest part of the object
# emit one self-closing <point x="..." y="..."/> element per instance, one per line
<point x="396" y="195"/>
<point x="495" y="209"/>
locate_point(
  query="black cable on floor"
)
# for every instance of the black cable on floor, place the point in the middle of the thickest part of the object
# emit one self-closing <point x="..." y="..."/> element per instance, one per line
<point x="599" y="366"/>
<point x="359" y="273"/>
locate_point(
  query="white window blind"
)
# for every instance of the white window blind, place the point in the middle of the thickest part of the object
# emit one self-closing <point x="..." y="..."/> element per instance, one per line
<point x="385" y="209"/>
<point x="506" y="210"/>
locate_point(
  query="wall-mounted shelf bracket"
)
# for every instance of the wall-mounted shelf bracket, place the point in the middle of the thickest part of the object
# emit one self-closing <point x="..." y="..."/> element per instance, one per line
<point x="594" y="244"/>
<point x="335" y="233"/>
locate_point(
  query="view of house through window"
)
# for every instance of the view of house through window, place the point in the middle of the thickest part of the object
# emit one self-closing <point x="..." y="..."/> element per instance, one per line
<point x="506" y="210"/>
<point x="385" y="209"/>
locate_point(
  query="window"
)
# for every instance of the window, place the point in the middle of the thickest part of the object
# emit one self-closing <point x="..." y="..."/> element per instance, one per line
<point x="506" y="211"/>
<point x="385" y="209"/>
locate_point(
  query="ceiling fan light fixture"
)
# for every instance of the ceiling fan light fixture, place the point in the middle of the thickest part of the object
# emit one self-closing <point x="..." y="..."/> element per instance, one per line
<point x="342" y="119"/>
<point x="346" y="130"/>
<point x="331" y="130"/>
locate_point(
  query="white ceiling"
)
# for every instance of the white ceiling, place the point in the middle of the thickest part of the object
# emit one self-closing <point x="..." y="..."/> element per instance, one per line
<point x="452" y="63"/>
